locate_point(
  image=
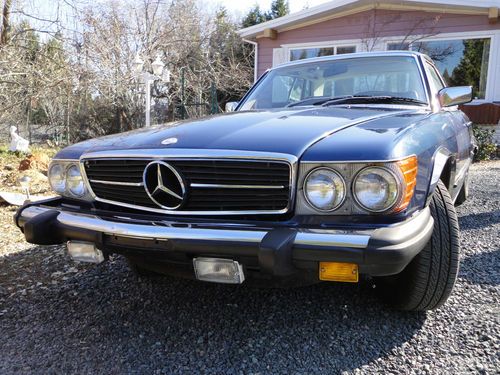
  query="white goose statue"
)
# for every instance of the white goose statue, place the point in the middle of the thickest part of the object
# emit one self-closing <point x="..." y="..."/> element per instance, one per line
<point x="17" y="142"/>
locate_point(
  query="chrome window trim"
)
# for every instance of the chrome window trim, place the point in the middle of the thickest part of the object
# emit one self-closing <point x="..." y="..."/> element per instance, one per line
<point x="425" y="82"/>
<point x="418" y="57"/>
<point x="196" y="154"/>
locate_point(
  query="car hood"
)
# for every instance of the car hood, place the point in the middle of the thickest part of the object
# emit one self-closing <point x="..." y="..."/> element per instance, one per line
<point x="290" y="131"/>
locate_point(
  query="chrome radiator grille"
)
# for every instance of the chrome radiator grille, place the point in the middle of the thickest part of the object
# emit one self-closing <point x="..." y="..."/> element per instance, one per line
<point x="211" y="186"/>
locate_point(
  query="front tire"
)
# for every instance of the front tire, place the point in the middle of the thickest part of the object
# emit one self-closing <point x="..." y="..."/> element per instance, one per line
<point x="426" y="283"/>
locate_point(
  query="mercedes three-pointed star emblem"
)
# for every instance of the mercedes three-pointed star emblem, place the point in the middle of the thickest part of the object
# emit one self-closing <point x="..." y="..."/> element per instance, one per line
<point x="164" y="185"/>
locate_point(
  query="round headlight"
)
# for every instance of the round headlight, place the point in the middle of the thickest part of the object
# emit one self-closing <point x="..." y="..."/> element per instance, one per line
<point x="74" y="179"/>
<point x="57" y="178"/>
<point x="376" y="189"/>
<point x="324" y="189"/>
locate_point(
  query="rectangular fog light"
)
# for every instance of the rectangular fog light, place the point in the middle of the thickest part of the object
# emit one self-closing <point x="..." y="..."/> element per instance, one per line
<point x="333" y="271"/>
<point x="85" y="252"/>
<point x="217" y="270"/>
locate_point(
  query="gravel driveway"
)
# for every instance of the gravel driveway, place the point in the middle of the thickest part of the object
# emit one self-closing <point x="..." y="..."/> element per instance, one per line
<point x="58" y="317"/>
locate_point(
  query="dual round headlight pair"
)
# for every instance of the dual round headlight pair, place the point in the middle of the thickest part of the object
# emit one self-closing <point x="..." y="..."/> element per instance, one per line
<point x="375" y="189"/>
<point x="67" y="179"/>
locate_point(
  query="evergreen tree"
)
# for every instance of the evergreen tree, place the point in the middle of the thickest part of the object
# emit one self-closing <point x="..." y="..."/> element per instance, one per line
<point x="254" y="17"/>
<point x="279" y="8"/>
<point x="469" y="69"/>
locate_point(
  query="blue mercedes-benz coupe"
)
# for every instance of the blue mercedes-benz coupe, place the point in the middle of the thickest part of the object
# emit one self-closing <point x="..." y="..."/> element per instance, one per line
<point x="327" y="169"/>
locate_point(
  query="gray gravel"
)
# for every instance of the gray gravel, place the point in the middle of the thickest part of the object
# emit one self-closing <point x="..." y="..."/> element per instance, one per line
<point x="58" y="317"/>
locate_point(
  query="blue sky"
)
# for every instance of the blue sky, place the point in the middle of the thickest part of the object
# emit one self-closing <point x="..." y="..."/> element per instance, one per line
<point x="242" y="6"/>
<point x="46" y="8"/>
<point x="51" y="9"/>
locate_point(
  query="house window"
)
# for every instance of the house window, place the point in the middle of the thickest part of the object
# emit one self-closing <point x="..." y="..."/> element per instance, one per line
<point x="461" y="62"/>
<point x="308" y="53"/>
<point x="398" y="46"/>
<point x="344" y="50"/>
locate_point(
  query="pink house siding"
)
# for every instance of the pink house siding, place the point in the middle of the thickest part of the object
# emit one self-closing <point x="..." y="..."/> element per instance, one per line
<point x="387" y="24"/>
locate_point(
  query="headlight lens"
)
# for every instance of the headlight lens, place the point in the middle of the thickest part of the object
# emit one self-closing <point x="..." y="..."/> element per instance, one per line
<point x="74" y="179"/>
<point x="376" y="189"/>
<point x="57" y="178"/>
<point x="324" y="189"/>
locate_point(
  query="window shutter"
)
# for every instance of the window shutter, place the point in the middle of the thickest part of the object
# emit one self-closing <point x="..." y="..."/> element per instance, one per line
<point x="279" y="56"/>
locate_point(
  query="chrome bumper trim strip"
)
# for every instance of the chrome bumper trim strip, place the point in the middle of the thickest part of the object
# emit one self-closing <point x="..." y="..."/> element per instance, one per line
<point x="326" y="238"/>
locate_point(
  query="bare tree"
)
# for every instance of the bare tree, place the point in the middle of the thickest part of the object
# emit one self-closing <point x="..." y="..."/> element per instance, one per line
<point x="5" y="22"/>
<point x="76" y="78"/>
<point x="417" y="29"/>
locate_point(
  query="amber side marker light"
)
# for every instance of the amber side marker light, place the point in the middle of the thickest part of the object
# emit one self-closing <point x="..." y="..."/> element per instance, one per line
<point x="409" y="169"/>
<point x="333" y="271"/>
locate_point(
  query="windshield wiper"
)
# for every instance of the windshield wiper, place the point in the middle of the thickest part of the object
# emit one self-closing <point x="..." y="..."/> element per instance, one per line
<point x="356" y="99"/>
<point x="361" y="99"/>
<point x="316" y="101"/>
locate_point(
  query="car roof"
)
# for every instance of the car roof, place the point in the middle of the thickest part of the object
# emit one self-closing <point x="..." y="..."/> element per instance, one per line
<point x="353" y="55"/>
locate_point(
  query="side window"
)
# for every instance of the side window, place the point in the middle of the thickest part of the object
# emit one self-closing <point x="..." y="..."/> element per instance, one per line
<point x="434" y="78"/>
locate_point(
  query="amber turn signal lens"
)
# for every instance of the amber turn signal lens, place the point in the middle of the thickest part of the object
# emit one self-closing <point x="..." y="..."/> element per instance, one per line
<point x="409" y="169"/>
<point x="333" y="271"/>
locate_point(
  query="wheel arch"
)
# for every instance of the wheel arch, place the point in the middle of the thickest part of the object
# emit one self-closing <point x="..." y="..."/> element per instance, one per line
<point x="443" y="168"/>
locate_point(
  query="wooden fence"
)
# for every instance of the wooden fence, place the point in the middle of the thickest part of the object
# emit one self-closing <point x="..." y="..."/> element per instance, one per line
<point x="485" y="114"/>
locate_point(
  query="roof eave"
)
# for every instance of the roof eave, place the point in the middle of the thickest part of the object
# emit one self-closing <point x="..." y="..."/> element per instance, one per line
<point x="318" y="12"/>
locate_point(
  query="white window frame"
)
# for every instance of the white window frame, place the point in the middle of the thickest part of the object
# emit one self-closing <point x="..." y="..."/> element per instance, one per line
<point x="492" y="92"/>
<point x="336" y="44"/>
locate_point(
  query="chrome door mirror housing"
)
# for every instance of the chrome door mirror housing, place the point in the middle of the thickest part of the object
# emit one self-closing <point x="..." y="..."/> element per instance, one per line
<point x="451" y="96"/>
<point x="231" y="106"/>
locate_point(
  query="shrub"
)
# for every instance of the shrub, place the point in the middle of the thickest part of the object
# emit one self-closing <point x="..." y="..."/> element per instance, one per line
<point x="486" y="148"/>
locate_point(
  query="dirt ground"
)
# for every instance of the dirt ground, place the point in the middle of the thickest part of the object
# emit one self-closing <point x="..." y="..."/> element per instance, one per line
<point x="12" y="240"/>
<point x="10" y="173"/>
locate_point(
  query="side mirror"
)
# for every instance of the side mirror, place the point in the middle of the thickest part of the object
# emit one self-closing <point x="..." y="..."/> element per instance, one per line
<point x="231" y="106"/>
<point x="451" y="96"/>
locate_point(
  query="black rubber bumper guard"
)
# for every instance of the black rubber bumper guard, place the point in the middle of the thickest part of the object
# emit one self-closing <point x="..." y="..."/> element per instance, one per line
<point x="278" y="251"/>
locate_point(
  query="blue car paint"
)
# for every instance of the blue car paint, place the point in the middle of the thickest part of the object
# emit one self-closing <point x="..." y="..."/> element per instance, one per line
<point x="336" y="134"/>
<point x="289" y="131"/>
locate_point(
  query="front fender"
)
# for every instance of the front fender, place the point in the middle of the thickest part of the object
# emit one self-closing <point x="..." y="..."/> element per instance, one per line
<point x="443" y="167"/>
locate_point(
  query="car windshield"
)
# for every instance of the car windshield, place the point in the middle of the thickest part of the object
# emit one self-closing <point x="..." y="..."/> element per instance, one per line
<point x="392" y="79"/>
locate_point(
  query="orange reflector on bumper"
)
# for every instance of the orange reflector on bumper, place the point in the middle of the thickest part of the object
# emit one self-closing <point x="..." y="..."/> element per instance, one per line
<point x="333" y="271"/>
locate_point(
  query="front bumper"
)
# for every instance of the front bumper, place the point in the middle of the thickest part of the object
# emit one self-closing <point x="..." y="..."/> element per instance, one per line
<point x="278" y="251"/>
